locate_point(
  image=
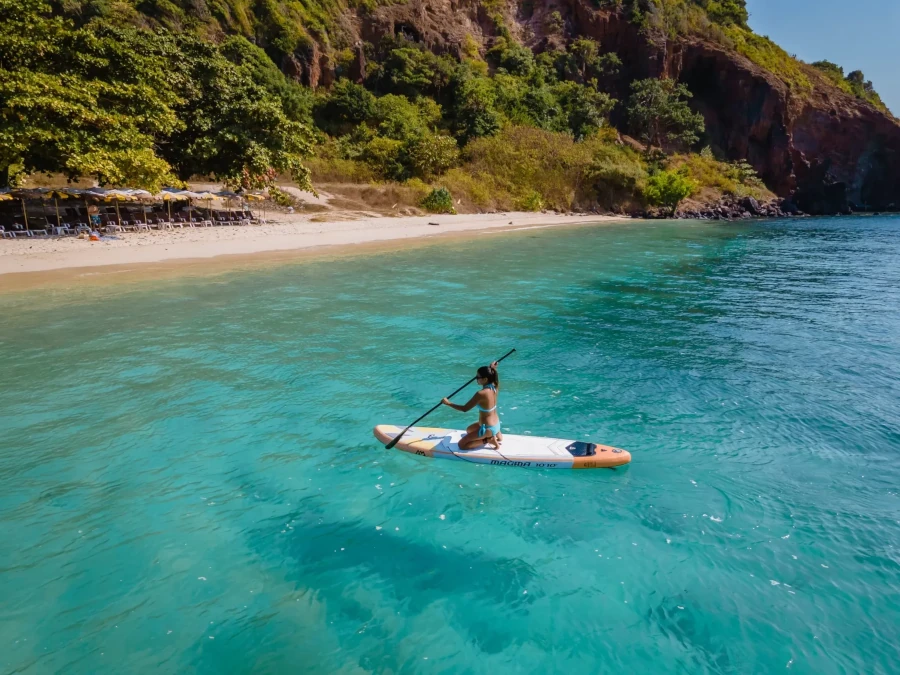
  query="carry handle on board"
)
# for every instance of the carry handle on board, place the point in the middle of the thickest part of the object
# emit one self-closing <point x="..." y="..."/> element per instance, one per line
<point x="400" y="435"/>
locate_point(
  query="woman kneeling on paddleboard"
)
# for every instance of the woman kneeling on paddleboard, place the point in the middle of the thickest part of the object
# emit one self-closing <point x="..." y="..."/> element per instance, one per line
<point x="487" y="428"/>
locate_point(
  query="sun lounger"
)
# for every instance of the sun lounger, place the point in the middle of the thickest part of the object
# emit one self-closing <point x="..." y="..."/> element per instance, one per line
<point x="63" y="229"/>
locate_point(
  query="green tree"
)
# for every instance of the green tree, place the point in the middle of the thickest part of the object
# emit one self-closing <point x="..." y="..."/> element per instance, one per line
<point x="401" y="119"/>
<point x="80" y="102"/>
<point x="386" y="157"/>
<point x="432" y="155"/>
<point x="474" y="112"/>
<point x="728" y="12"/>
<point x="514" y="58"/>
<point x="668" y="189"/>
<point x="127" y="105"/>
<point x="659" y="113"/>
<point x="583" y="61"/>
<point x="585" y="108"/>
<point x="345" y="107"/>
<point x="296" y="100"/>
<point x="231" y="126"/>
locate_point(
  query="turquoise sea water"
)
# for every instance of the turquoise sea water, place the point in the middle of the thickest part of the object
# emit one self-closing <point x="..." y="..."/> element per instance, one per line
<point x="188" y="481"/>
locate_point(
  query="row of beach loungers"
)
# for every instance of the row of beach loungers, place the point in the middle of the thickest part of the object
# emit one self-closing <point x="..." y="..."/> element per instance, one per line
<point x="111" y="225"/>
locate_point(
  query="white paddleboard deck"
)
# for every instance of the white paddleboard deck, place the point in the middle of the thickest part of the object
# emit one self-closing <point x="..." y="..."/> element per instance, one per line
<point x="525" y="451"/>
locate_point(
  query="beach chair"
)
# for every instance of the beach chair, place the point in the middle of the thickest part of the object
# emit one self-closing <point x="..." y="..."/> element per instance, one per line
<point x="6" y="235"/>
<point x="162" y="224"/>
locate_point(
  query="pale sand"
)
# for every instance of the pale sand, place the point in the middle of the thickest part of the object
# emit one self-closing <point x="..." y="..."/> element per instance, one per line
<point x="25" y="259"/>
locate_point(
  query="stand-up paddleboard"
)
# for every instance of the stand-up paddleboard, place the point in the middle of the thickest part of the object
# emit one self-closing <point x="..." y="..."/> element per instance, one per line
<point x="526" y="451"/>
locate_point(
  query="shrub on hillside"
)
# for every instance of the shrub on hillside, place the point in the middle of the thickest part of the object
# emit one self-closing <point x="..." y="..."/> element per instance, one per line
<point x="531" y="202"/>
<point x="736" y="178"/>
<point x="432" y="155"/>
<point x="439" y="200"/>
<point x="668" y="189"/>
<point x="616" y="173"/>
<point x="506" y="170"/>
<point x="385" y="157"/>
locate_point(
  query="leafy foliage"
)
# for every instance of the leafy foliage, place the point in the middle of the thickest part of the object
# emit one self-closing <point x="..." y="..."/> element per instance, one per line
<point x="659" y="113"/>
<point x="130" y="106"/>
<point x="474" y="111"/>
<point x="668" y="189"/>
<point x="147" y="92"/>
<point x="439" y="200"/>
<point x="854" y="83"/>
<point x="521" y="165"/>
<point x="765" y="53"/>
<point x="347" y="105"/>
<point x="735" y="178"/>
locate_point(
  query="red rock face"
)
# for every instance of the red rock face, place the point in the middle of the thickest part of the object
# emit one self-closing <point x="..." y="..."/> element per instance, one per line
<point x="825" y="149"/>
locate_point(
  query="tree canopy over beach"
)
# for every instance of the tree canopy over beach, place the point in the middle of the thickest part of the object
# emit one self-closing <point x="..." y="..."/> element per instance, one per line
<point x="152" y="92"/>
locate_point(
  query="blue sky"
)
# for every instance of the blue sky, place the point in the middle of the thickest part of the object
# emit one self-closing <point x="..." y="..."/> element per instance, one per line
<point x="858" y="35"/>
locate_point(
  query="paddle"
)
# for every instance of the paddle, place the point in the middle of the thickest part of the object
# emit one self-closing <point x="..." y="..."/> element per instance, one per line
<point x="394" y="442"/>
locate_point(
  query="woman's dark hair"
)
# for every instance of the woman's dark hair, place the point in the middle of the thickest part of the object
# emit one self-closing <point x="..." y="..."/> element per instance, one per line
<point x="490" y="374"/>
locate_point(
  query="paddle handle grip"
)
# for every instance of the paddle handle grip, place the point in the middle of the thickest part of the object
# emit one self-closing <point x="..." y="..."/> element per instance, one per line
<point x="400" y="435"/>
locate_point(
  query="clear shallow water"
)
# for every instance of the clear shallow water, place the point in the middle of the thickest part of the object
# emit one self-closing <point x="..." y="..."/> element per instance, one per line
<point x="175" y="497"/>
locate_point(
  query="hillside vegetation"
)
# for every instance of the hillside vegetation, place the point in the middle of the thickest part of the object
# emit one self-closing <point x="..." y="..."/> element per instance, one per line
<point x="152" y="92"/>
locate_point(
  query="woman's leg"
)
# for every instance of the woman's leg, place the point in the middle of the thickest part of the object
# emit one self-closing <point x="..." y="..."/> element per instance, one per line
<point x="475" y="438"/>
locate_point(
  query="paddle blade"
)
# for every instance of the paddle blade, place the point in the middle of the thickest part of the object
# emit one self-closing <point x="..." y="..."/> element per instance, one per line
<point x="390" y="445"/>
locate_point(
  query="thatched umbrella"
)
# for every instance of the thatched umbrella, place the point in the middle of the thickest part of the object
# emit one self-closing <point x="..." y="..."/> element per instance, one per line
<point x="229" y="196"/>
<point x="22" y="195"/>
<point x="57" y="195"/>
<point x="207" y="197"/>
<point x="142" y="195"/>
<point x="111" y="196"/>
<point x="75" y="193"/>
<point x="169" y="195"/>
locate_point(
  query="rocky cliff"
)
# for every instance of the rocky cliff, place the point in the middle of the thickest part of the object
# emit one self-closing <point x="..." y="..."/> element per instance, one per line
<point x="821" y="147"/>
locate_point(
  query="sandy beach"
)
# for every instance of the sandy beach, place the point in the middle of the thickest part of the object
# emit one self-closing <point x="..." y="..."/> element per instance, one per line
<point x="28" y="260"/>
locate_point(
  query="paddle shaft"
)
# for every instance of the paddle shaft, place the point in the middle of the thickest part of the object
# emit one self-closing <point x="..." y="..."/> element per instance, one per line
<point x="394" y="442"/>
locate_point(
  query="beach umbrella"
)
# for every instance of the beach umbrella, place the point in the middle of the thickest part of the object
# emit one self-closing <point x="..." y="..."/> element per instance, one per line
<point x="33" y="193"/>
<point x="144" y="196"/>
<point x="190" y="196"/>
<point x="207" y="197"/>
<point x="83" y="194"/>
<point x="257" y="197"/>
<point x="169" y="195"/>
<point x="230" y="196"/>
<point x="57" y="195"/>
<point x="22" y="195"/>
<point x="112" y="196"/>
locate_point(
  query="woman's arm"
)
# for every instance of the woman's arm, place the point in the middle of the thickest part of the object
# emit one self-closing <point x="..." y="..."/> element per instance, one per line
<point x="463" y="408"/>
